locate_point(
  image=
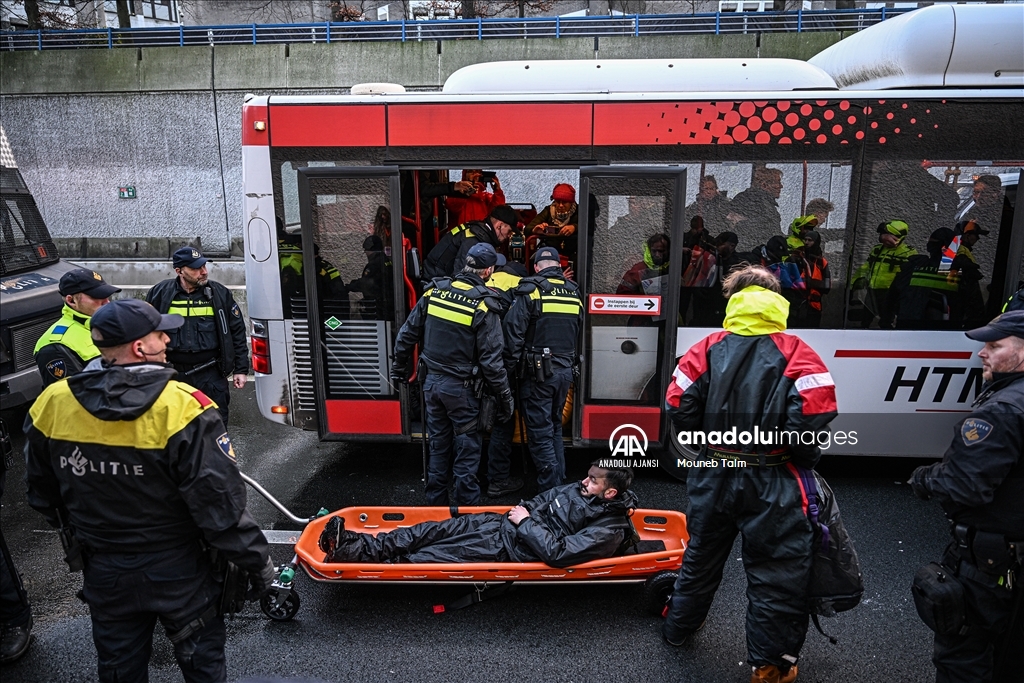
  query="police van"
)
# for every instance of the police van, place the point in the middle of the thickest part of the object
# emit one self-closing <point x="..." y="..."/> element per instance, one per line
<point x="30" y="270"/>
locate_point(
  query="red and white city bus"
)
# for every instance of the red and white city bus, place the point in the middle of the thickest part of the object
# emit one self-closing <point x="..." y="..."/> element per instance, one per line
<point x="886" y="125"/>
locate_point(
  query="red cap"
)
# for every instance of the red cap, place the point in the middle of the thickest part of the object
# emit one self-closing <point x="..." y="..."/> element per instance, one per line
<point x="564" y="192"/>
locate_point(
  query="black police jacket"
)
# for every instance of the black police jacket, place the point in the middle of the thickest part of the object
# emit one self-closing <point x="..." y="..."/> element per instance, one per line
<point x="206" y="311"/>
<point x="448" y="257"/>
<point x="980" y="480"/>
<point x="546" y="313"/>
<point x="138" y="462"/>
<point x="566" y="528"/>
<point x="457" y="326"/>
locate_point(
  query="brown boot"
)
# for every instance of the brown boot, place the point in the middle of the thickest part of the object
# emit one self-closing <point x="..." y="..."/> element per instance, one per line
<point x="771" y="674"/>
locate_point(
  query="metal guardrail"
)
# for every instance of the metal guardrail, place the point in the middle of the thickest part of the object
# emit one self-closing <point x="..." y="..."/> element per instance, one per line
<point x="459" y="29"/>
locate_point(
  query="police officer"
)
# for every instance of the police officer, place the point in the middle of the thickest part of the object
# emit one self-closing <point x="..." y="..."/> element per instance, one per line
<point x="500" y="481"/>
<point x="448" y="256"/>
<point x="212" y="342"/>
<point x="457" y="323"/>
<point x="66" y="347"/>
<point x="141" y="471"/>
<point x="980" y="485"/>
<point x="542" y="326"/>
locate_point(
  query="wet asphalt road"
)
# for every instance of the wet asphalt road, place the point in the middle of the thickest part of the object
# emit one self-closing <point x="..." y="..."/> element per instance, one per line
<point x="536" y="633"/>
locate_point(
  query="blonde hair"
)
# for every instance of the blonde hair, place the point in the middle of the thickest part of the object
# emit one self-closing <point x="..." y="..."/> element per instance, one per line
<point x="750" y="276"/>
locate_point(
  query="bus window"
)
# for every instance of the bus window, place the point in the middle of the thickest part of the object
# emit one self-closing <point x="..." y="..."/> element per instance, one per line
<point x="762" y="213"/>
<point x="931" y="245"/>
<point x="629" y="253"/>
<point x="355" y="282"/>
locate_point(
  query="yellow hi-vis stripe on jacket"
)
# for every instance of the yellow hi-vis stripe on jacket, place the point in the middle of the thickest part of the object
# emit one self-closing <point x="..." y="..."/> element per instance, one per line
<point x="452" y="306"/>
<point x="58" y="415"/>
<point x="189" y="308"/>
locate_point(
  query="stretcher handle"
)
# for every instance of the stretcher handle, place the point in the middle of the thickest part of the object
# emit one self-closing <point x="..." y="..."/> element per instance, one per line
<point x="274" y="501"/>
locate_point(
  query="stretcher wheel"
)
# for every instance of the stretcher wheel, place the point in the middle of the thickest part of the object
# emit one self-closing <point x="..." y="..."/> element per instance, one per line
<point x="657" y="590"/>
<point x="283" y="611"/>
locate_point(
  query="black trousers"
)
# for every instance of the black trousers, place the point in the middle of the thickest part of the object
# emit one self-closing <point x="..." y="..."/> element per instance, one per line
<point x="128" y="592"/>
<point x="211" y="382"/>
<point x="973" y="656"/>
<point x="469" y="538"/>
<point x="765" y="506"/>
<point x="14" y="607"/>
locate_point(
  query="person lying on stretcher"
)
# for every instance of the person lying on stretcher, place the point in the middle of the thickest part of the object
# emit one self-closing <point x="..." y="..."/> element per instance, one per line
<point x="561" y="527"/>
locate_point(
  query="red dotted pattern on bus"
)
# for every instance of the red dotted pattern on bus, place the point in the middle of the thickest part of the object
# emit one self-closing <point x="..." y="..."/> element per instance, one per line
<point x="759" y="122"/>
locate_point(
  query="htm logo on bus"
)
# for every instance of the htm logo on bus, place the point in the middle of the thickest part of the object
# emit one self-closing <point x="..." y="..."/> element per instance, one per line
<point x="628" y="445"/>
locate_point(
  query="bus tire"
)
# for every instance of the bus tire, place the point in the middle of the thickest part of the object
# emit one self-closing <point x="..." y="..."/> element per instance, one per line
<point x="657" y="590"/>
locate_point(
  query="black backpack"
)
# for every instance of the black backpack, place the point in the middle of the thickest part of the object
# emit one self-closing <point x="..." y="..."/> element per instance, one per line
<point x="836" y="582"/>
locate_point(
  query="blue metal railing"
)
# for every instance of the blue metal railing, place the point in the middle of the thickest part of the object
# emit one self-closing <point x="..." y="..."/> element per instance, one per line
<point x="636" y="25"/>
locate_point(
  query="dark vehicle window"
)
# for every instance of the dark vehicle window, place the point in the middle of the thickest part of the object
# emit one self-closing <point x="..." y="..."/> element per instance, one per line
<point x="24" y="240"/>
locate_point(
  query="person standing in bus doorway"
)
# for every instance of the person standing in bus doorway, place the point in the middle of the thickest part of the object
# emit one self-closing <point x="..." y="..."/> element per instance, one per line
<point x="758" y="205"/>
<point x="66" y="347"/>
<point x="448" y="256"/>
<point x="137" y="471"/>
<point x="468" y="199"/>
<point x="751" y="374"/>
<point x="212" y="341"/>
<point x="980" y="485"/>
<point x="558" y="224"/>
<point x="456" y="324"/>
<point x="877" y="273"/>
<point x="543" y="325"/>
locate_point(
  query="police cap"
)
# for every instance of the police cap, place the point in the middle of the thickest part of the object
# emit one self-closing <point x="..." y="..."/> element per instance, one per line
<point x="126" y="320"/>
<point x="482" y="255"/>
<point x="84" y="280"/>
<point x="189" y="257"/>
<point x="545" y="254"/>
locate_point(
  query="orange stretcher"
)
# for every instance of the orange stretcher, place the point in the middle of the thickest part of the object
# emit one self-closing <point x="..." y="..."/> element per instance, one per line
<point x="663" y="540"/>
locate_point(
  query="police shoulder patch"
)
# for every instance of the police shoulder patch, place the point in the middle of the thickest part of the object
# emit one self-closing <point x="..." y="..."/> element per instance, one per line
<point x="57" y="369"/>
<point x="236" y="311"/>
<point x="203" y="399"/>
<point x="224" y="444"/>
<point x="974" y="430"/>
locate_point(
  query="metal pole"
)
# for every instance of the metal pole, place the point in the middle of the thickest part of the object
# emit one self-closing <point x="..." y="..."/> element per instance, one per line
<point x="274" y="501"/>
<point x="254" y="34"/>
<point x="110" y="38"/>
<point x="558" y="27"/>
<point x="718" y="23"/>
<point x="799" y="20"/>
<point x="403" y="29"/>
<point x="479" y="28"/>
<point x="328" y="33"/>
<point x="181" y="36"/>
<point x="636" y="25"/>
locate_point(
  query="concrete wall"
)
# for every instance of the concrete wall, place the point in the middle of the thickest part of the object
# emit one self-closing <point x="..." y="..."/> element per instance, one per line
<point x="83" y="123"/>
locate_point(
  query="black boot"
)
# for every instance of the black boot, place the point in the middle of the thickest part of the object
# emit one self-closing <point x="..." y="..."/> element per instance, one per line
<point x="15" y="641"/>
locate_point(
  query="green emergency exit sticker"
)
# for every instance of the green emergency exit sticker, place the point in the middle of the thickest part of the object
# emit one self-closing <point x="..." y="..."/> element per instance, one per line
<point x="332" y="323"/>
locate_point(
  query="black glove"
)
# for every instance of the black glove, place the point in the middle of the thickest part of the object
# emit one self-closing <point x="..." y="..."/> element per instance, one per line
<point x="399" y="374"/>
<point x="506" y="405"/>
<point x="259" y="584"/>
<point x="918" y="482"/>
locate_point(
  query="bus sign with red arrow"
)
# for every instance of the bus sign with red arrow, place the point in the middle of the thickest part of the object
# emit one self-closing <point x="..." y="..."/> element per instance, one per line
<point x="618" y="304"/>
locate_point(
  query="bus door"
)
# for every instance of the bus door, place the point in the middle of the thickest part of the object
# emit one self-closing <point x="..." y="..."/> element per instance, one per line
<point x="630" y="270"/>
<point x="356" y="271"/>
